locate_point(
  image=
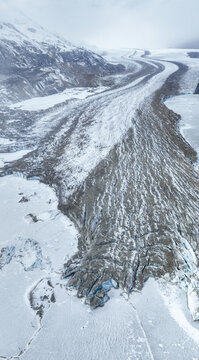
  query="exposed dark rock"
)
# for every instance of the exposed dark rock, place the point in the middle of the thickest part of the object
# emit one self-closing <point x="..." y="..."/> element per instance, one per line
<point x="23" y="199"/>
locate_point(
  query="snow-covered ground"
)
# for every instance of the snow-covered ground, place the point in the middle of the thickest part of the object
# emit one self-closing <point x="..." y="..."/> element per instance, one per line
<point x="122" y="56"/>
<point x="46" y="102"/>
<point x="139" y="328"/>
<point x="190" y="79"/>
<point x="4" y="141"/>
<point x="40" y="317"/>
<point x="36" y="240"/>
<point x="188" y="107"/>
<point x="8" y="157"/>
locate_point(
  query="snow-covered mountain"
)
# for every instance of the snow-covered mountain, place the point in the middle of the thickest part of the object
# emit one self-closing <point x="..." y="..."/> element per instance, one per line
<point x="34" y="62"/>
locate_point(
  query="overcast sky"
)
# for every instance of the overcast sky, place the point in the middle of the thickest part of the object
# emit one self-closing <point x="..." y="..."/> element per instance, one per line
<point x="114" y="23"/>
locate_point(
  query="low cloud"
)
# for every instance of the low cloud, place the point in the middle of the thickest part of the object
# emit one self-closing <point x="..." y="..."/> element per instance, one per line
<point x="114" y="23"/>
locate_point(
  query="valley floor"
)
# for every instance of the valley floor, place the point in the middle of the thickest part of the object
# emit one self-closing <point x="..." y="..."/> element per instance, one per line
<point x="111" y="164"/>
<point x="152" y="324"/>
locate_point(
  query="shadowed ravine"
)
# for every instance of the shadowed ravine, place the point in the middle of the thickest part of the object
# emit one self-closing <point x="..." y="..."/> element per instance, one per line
<point x="138" y="205"/>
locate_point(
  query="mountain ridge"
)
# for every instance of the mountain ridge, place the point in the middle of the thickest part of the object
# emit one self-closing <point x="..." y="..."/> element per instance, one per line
<point x="34" y="62"/>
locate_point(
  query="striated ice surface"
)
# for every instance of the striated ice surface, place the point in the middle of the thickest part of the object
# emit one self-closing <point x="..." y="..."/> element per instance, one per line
<point x="41" y="318"/>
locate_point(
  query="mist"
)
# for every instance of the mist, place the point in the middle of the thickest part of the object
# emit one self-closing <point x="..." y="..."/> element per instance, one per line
<point x="113" y="23"/>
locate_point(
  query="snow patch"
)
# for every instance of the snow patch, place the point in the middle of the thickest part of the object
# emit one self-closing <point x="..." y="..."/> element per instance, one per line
<point x="29" y="252"/>
<point x="177" y="306"/>
<point x="4" y="141"/>
<point x="193" y="298"/>
<point x="46" y="102"/>
<point x="9" y="157"/>
<point x="188" y="107"/>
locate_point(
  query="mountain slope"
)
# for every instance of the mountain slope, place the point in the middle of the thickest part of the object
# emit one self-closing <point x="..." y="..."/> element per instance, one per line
<point x="34" y="62"/>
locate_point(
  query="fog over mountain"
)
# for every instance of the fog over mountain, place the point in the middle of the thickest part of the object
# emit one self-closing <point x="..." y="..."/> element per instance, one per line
<point x="114" y="23"/>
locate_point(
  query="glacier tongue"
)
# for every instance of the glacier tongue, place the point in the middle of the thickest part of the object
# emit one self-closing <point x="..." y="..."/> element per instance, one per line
<point x="124" y="179"/>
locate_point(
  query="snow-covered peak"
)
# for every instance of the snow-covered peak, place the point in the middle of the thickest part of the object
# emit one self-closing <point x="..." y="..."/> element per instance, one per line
<point x="20" y="28"/>
<point x="44" y="63"/>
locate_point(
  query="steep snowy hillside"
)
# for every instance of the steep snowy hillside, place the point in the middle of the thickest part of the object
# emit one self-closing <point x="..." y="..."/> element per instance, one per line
<point x="34" y="62"/>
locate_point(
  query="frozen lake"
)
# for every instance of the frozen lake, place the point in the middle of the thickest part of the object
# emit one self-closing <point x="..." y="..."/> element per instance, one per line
<point x="188" y="107"/>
